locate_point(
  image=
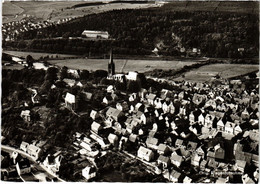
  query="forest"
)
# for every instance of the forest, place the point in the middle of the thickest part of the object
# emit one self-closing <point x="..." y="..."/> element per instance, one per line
<point x="138" y="32"/>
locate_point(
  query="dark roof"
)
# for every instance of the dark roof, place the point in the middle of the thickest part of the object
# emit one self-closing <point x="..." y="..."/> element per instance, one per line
<point x="24" y="163"/>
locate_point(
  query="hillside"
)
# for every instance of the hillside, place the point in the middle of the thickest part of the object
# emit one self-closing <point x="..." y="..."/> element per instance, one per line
<point x="213" y="28"/>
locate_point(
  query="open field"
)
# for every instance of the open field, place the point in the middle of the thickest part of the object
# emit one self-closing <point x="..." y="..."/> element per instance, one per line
<point x="218" y="6"/>
<point x="205" y="73"/>
<point x="127" y="65"/>
<point x="36" y="55"/>
<point x="57" y="10"/>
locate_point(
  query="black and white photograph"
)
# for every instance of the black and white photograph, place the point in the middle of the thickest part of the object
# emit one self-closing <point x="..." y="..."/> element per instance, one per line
<point x="155" y="91"/>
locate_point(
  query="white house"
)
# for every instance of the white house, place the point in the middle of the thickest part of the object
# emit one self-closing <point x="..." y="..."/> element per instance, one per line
<point x="95" y="34"/>
<point x="70" y="101"/>
<point x="26" y="115"/>
<point x="150" y="98"/>
<point x="201" y="119"/>
<point x="145" y="153"/>
<point x="229" y="127"/>
<point x="94" y="114"/>
<point x="34" y="151"/>
<point x="132" y="76"/>
<point x="96" y="127"/>
<point x="89" y="172"/>
<point x="176" y="160"/>
<point x="24" y="146"/>
<point x="175" y="176"/>
<point x="112" y="138"/>
<point x="53" y="162"/>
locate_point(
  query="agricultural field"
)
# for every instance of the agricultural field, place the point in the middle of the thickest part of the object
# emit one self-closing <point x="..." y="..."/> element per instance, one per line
<point x="205" y="73"/>
<point x="121" y="65"/>
<point x="57" y="10"/>
<point x="36" y="55"/>
<point x="218" y="6"/>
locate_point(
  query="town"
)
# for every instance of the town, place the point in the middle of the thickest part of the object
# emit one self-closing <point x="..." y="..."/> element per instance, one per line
<point x="106" y="126"/>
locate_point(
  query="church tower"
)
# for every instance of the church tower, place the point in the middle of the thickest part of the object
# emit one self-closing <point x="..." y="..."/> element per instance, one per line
<point x="111" y="65"/>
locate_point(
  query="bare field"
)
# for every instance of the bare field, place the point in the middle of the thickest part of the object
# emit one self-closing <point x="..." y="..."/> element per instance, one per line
<point x="36" y="55"/>
<point x="121" y="64"/>
<point x="205" y="73"/>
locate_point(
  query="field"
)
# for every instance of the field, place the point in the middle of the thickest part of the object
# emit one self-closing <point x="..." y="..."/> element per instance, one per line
<point x="205" y="73"/>
<point x="57" y="10"/>
<point x="121" y="65"/>
<point x="36" y="55"/>
<point x="219" y="6"/>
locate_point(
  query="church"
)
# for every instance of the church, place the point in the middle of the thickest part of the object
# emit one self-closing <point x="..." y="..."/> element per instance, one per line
<point x="119" y="77"/>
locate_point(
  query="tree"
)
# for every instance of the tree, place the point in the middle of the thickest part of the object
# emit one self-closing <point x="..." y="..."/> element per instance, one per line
<point x="29" y="61"/>
<point x="64" y="72"/>
<point x="133" y="86"/>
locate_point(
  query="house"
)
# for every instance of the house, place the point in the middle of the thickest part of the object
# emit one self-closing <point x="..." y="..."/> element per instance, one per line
<point x="166" y="106"/>
<point x="132" y="76"/>
<point x="203" y="165"/>
<point x="201" y="119"/>
<point x="139" y="107"/>
<point x="211" y="103"/>
<point x="195" y="160"/>
<point x="24" y="146"/>
<point x="176" y="160"/>
<point x="96" y="127"/>
<point x="179" y="143"/>
<point x="240" y="165"/>
<point x="73" y="73"/>
<point x="187" y="179"/>
<point x="70" y="101"/>
<point x="26" y="115"/>
<point x="34" y="151"/>
<point x="220" y="126"/>
<point x="145" y="153"/>
<point x="163" y="149"/>
<point x="132" y="97"/>
<point x="113" y="139"/>
<point x="87" y="96"/>
<point x="122" y="106"/>
<point x="141" y="116"/>
<point x="133" y="138"/>
<point x="164" y="161"/>
<point x="208" y="122"/>
<point x="175" y="176"/>
<point x="219" y="152"/>
<point x="53" y="162"/>
<point x="212" y="163"/>
<point x="79" y="84"/>
<point x="192" y="146"/>
<point x="115" y="114"/>
<point x="246" y="179"/>
<point x="23" y="167"/>
<point x="89" y="172"/>
<point x="165" y="93"/>
<point x="229" y="127"/>
<point x="122" y="141"/>
<point x="110" y="89"/>
<point x="152" y="142"/>
<point x="94" y="114"/>
<point x="158" y="103"/>
<point x="69" y="82"/>
<point x="222" y="180"/>
<point x="107" y="99"/>
<point x="150" y="98"/>
<point x="191" y="118"/>
<point x="254" y="135"/>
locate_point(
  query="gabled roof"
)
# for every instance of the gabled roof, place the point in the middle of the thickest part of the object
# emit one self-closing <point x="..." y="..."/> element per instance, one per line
<point x="176" y="158"/>
<point x="151" y="96"/>
<point x="163" y="159"/>
<point x="115" y="113"/>
<point x="70" y="98"/>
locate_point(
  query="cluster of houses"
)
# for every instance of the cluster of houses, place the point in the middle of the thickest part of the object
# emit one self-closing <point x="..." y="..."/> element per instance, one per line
<point x="198" y="110"/>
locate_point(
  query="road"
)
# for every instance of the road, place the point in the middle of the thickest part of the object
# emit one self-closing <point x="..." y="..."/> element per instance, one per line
<point x="8" y="148"/>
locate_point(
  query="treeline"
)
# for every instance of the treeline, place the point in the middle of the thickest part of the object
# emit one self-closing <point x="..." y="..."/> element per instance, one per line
<point x="217" y="34"/>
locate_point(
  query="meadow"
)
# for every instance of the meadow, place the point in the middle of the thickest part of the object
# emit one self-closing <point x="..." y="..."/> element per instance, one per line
<point x="205" y="73"/>
<point x="121" y="65"/>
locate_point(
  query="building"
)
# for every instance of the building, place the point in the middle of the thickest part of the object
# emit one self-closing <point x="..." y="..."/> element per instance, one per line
<point x="111" y="65"/>
<point x="26" y="115"/>
<point x="176" y="160"/>
<point x="89" y="172"/>
<point x="164" y="161"/>
<point x="23" y="166"/>
<point x="95" y="34"/>
<point x="34" y="151"/>
<point x="70" y="101"/>
<point x="115" y="114"/>
<point x="145" y="153"/>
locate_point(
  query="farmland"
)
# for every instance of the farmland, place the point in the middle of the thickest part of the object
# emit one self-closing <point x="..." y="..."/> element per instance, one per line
<point x="54" y="11"/>
<point x="127" y="65"/>
<point x="205" y="73"/>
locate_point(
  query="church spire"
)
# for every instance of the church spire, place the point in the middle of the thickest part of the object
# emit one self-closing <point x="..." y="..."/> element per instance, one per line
<point x="111" y="65"/>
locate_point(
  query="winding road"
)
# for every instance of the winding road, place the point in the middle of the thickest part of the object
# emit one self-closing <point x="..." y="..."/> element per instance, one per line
<point x="8" y="149"/>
